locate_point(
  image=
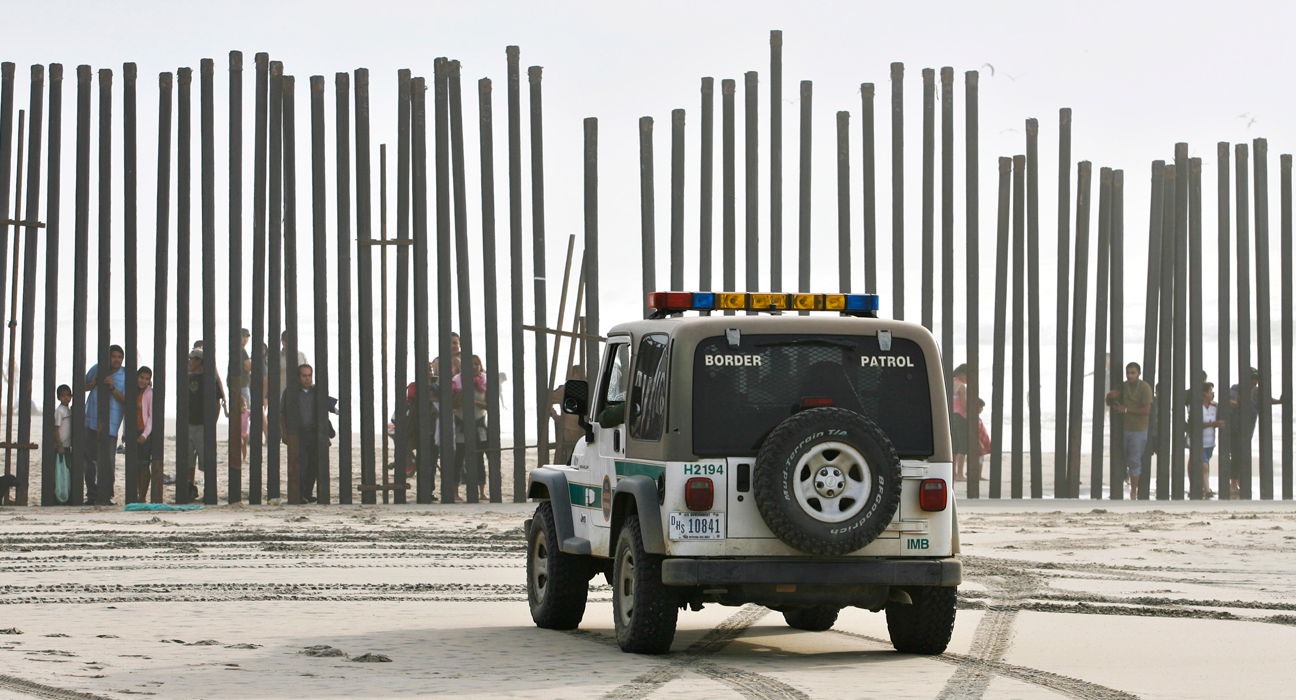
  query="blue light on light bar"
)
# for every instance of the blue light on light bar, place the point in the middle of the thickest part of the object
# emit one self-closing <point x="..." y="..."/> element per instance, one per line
<point x="703" y="300"/>
<point x="861" y="302"/>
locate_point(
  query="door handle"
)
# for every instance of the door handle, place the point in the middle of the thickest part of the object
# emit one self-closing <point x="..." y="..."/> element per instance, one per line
<point x="616" y="440"/>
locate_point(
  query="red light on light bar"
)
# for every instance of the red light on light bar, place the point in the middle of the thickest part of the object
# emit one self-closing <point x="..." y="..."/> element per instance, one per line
<point x="933" y="495"/>
<point x="816" y="401"/>
<point x="670" y="300"/>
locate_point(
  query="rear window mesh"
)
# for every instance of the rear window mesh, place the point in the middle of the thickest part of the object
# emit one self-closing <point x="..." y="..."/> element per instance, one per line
<point x="741" y="393"/>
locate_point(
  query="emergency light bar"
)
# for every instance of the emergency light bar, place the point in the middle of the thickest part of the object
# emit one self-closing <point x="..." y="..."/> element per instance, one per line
<point x="664" y="303"/>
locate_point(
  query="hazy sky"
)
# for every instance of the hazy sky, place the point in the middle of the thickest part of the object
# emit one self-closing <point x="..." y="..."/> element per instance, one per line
<point x="1139" y="77"/>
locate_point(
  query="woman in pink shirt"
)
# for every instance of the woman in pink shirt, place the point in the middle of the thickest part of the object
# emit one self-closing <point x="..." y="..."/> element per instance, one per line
<point x="144" y="423"/>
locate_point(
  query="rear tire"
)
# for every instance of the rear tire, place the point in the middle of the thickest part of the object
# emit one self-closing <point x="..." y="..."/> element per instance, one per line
<point x="925" y="626"/>
<point x="644" y="609"/>
<point x="557" y="582"/>
<point x="820" y="618"/>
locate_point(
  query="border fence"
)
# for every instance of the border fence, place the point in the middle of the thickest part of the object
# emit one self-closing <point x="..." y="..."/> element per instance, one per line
<point x="432" y="245"/>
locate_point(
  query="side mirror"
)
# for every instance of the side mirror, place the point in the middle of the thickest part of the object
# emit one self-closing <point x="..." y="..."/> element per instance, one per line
<point x="576" y="397"/>
<point x="576" y="402"/>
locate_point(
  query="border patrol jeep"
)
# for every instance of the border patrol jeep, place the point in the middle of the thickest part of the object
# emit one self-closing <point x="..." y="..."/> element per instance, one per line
<point x="799" y="462"/>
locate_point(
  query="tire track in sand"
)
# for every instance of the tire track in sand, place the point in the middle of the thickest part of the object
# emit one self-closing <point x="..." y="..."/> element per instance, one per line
<point x="752" y="686"/>
<point x="40" y="690"/>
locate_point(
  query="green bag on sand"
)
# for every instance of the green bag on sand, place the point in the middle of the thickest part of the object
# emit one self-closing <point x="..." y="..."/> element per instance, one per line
<point x="62" y="480"/>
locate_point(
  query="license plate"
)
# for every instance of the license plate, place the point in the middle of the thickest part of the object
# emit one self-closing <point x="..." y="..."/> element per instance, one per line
<point x="697" y="526"/>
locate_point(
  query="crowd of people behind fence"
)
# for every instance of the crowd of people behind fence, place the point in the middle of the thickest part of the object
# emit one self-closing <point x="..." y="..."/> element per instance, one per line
<point x="298" y="418"/>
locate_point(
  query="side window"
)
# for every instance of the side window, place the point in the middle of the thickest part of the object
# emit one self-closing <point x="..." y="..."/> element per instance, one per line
<point x="616" y="377"/>
<point x="648" y="388"/>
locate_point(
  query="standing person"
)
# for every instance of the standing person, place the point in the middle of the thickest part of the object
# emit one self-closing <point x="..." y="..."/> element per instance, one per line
<point x="142" y="454"/>
<point x="63" y="429"/>
<point x="116" y="383"/>
<point x="239" y="377"/>
<point x="301" y="399"/>
<point x="959" y="421"/>
<point x="1242" y="431"/>
<point x="476" y="415"/>
<point x="1134" y="401"/>
<point x="1210" y="421"/>
<point x="197" y="366"/>
<point x="985" y="445"/>
<point x="283" y="364"/>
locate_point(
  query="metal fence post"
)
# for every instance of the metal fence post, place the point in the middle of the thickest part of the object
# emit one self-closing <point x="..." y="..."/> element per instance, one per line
<point x="317" y="470"/>
<point x="404" y="448"/>
<point x="1151" y="314"/>
<point x="897" y="189"/>
<point x="81" y="251"/>
<point x="49" y="437"/>
<point x="534" y="75"/>
<point x="1224" y="412"/>
<point x="870" y="191"/>
<point x="486" y="131"/>
<point x="342" y="126"/>
<point x="928" y="196"/>
<point x="1179" y="364"/>
<point x="1061" y="403"/>
<point x="449" y="448"/>
<point x="728" y="197"/>
<point x="804" y="206"/>
<point x="843" y="206"/>
<point x="274" y="282"/>
<point x="106" y="448"/>
<point x="971" y="394"/>
<point x="1100" y="370"/>
<point x="1245" y="417"/>
<point x="1116" y="369"/>
<point x="1164" y="417"/>
<point x="1018" y="329"/>
<point x="776" y="159"/>
<point x="211" y="384"/>
<point x="1288" y="400"/>
<point x="515" y="273"/>
<point x="32" y="210"/>
<point x="235" y="380"/>
<point x="707" y="182"/>
<point x="256" y="424"/>
<point x="1197" y="475"/>
<point x="130" y="264"/>
<point x="291" y="348"/>
<point x="751" y="161"/>
<point x="1264" y="349"/>
<point x="423" y="431"/>
<point x="677" y="200"/>
<point x="647" y="212"/>
<point x="364" y="291"/>
<point x="1033" y="309"/>
<point x="471" y="450"/>
<point x="947" y="230"/>
<point x="1074" y="414"/>
<point x="1000" y="329"/>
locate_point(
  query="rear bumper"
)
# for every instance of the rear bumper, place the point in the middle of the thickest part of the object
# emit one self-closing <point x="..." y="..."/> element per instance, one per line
<point x="854" y="572"/>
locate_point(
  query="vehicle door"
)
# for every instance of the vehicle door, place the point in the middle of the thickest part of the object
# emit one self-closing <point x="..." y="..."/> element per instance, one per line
<point x="608" y="412"/>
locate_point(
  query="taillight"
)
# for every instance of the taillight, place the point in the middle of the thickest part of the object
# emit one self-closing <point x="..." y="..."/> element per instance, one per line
<point x="816" y="401"/>
<point x="699" y="493"/>
<point x="933" y="495"/>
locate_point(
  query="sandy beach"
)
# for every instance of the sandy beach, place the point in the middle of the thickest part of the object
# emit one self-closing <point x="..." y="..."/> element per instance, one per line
<point x="1060" y="599"/>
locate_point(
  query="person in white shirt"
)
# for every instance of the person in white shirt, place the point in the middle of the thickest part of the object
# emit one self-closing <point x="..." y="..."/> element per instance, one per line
<point x="1210" y="415"/>
<point x="63" y="421"/>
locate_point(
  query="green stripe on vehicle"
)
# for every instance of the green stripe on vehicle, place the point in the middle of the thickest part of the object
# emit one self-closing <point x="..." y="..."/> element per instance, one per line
<point x="583" y="496"/>
<point x="652" y="471"/>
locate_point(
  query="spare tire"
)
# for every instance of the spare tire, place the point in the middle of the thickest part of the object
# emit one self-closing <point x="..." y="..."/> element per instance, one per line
<point x="827" y="481"/>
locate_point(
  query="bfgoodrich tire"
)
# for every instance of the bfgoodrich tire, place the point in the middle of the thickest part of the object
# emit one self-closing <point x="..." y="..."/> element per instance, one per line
<point x="925" y="626"/>
<point x="820" y="618"/>
<point x="557" y="582"/>
<point x="827" y="481"/>
<point x="644" y="609"/>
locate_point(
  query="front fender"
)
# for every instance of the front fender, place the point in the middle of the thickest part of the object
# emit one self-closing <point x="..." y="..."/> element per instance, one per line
<point x="545" y="483"/>
<point x="638" y="494"/>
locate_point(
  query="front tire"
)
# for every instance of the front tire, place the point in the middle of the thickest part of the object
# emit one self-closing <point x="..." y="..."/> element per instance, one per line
<point x="820" y="618"/>
<point x="925" y="626"/>
<point x="557" y="582"/>
<point x="644" y="609"/>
